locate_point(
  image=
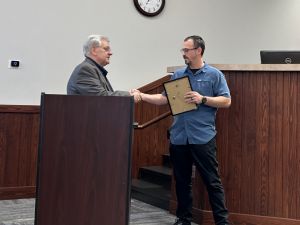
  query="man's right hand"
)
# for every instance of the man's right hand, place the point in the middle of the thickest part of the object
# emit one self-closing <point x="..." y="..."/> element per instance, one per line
<point x="136" y="95"/>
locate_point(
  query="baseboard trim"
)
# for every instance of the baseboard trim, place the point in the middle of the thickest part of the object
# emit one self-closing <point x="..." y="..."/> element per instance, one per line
<point x="17" y="192"/>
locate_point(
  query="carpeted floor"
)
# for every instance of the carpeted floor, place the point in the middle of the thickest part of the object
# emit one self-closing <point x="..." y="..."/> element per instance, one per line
<point x="21" y="212"/>
<point x="17" y="212"/>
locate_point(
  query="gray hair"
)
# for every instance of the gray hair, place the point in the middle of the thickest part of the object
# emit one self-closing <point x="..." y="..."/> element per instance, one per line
<point x="92" y="42"/>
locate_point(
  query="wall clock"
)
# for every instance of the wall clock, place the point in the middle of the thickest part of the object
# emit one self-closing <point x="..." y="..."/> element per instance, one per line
<point x="149" y="7"/>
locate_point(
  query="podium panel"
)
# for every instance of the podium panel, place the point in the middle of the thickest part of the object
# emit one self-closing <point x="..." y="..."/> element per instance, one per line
<point x="84" y="160"/>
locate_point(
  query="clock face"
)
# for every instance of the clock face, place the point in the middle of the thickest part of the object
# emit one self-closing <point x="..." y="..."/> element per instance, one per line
<point x="149" y="7"/>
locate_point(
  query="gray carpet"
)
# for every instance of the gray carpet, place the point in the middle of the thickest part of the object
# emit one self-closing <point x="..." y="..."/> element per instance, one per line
<point x="17" y="212"/>
<point x="21" y="212"/>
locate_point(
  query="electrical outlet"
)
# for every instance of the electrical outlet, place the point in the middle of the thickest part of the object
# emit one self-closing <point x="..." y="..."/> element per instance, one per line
<point x="14" y="64"/>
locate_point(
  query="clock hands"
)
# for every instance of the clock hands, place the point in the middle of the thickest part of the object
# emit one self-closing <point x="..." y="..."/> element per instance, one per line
<point x="149" y="7"/>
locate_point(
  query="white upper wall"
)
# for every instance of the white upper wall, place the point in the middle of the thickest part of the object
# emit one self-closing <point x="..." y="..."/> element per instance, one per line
<point x="47" y="37"/>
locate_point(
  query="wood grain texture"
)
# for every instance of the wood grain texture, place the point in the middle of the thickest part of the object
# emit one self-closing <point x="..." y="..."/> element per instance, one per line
<point x="19" y="127"/>
<point x="258" y="145"/>
<point x="258" y="148"/>
<point x="151" y="142"/>
<point x="84" y="160"/>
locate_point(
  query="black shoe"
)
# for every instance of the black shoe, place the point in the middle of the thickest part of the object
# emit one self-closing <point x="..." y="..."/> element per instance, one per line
<point x="182" y="222"/>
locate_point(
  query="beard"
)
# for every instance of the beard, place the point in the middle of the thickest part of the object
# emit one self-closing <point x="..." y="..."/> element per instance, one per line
<point x="186" y="61"/>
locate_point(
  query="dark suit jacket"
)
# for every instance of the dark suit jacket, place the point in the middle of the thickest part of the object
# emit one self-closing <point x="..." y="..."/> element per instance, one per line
<point x="88" y="79"/>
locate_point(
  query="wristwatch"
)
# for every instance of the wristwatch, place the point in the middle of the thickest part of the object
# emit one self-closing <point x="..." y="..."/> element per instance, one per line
<point x="204" y="100"/>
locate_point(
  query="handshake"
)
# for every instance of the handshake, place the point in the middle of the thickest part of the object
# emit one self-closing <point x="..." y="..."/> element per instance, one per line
<point x="136" y="95"/>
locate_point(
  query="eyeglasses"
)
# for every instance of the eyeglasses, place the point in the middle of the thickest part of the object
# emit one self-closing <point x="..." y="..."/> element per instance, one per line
<point x="186" y="50"/>
<point x="107" y="49"/>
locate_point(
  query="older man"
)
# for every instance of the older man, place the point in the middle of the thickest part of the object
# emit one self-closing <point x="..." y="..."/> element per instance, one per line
<point x="90" y="77"/>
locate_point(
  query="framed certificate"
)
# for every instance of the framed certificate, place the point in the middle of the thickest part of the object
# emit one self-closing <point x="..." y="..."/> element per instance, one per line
<point x="175" y="91"/>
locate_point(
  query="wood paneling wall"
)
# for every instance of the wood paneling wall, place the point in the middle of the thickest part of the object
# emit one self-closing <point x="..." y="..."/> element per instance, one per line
<point x="19" y="132"/>
<point x="258" y="148"/>
<point x="151" y="142"/>
<point x="19" y="127"/>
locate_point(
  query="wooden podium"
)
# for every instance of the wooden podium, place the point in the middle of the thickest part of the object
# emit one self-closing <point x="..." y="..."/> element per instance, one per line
<point x="84" y="160"/>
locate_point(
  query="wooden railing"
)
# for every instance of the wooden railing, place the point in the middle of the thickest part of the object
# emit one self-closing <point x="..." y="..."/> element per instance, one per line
<point x="258" y="143"/>
<point x="19" y="133"/>
<point x="150" y="137"/>
<point x="153" y="121"/>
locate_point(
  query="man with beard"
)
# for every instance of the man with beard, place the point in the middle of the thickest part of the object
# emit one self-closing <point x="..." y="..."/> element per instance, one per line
<point x="193" y="134"/>
<point x="89" y="77"/>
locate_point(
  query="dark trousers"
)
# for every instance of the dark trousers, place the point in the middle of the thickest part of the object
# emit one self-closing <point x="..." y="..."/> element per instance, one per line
<point x="204" y="158"/>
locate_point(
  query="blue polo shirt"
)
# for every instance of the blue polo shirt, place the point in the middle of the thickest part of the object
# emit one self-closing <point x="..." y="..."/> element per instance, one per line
<point x="198" y="126"/>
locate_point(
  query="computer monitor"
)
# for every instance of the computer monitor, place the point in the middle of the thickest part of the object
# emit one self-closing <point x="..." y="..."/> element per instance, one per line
<point x="279" y="57"/>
